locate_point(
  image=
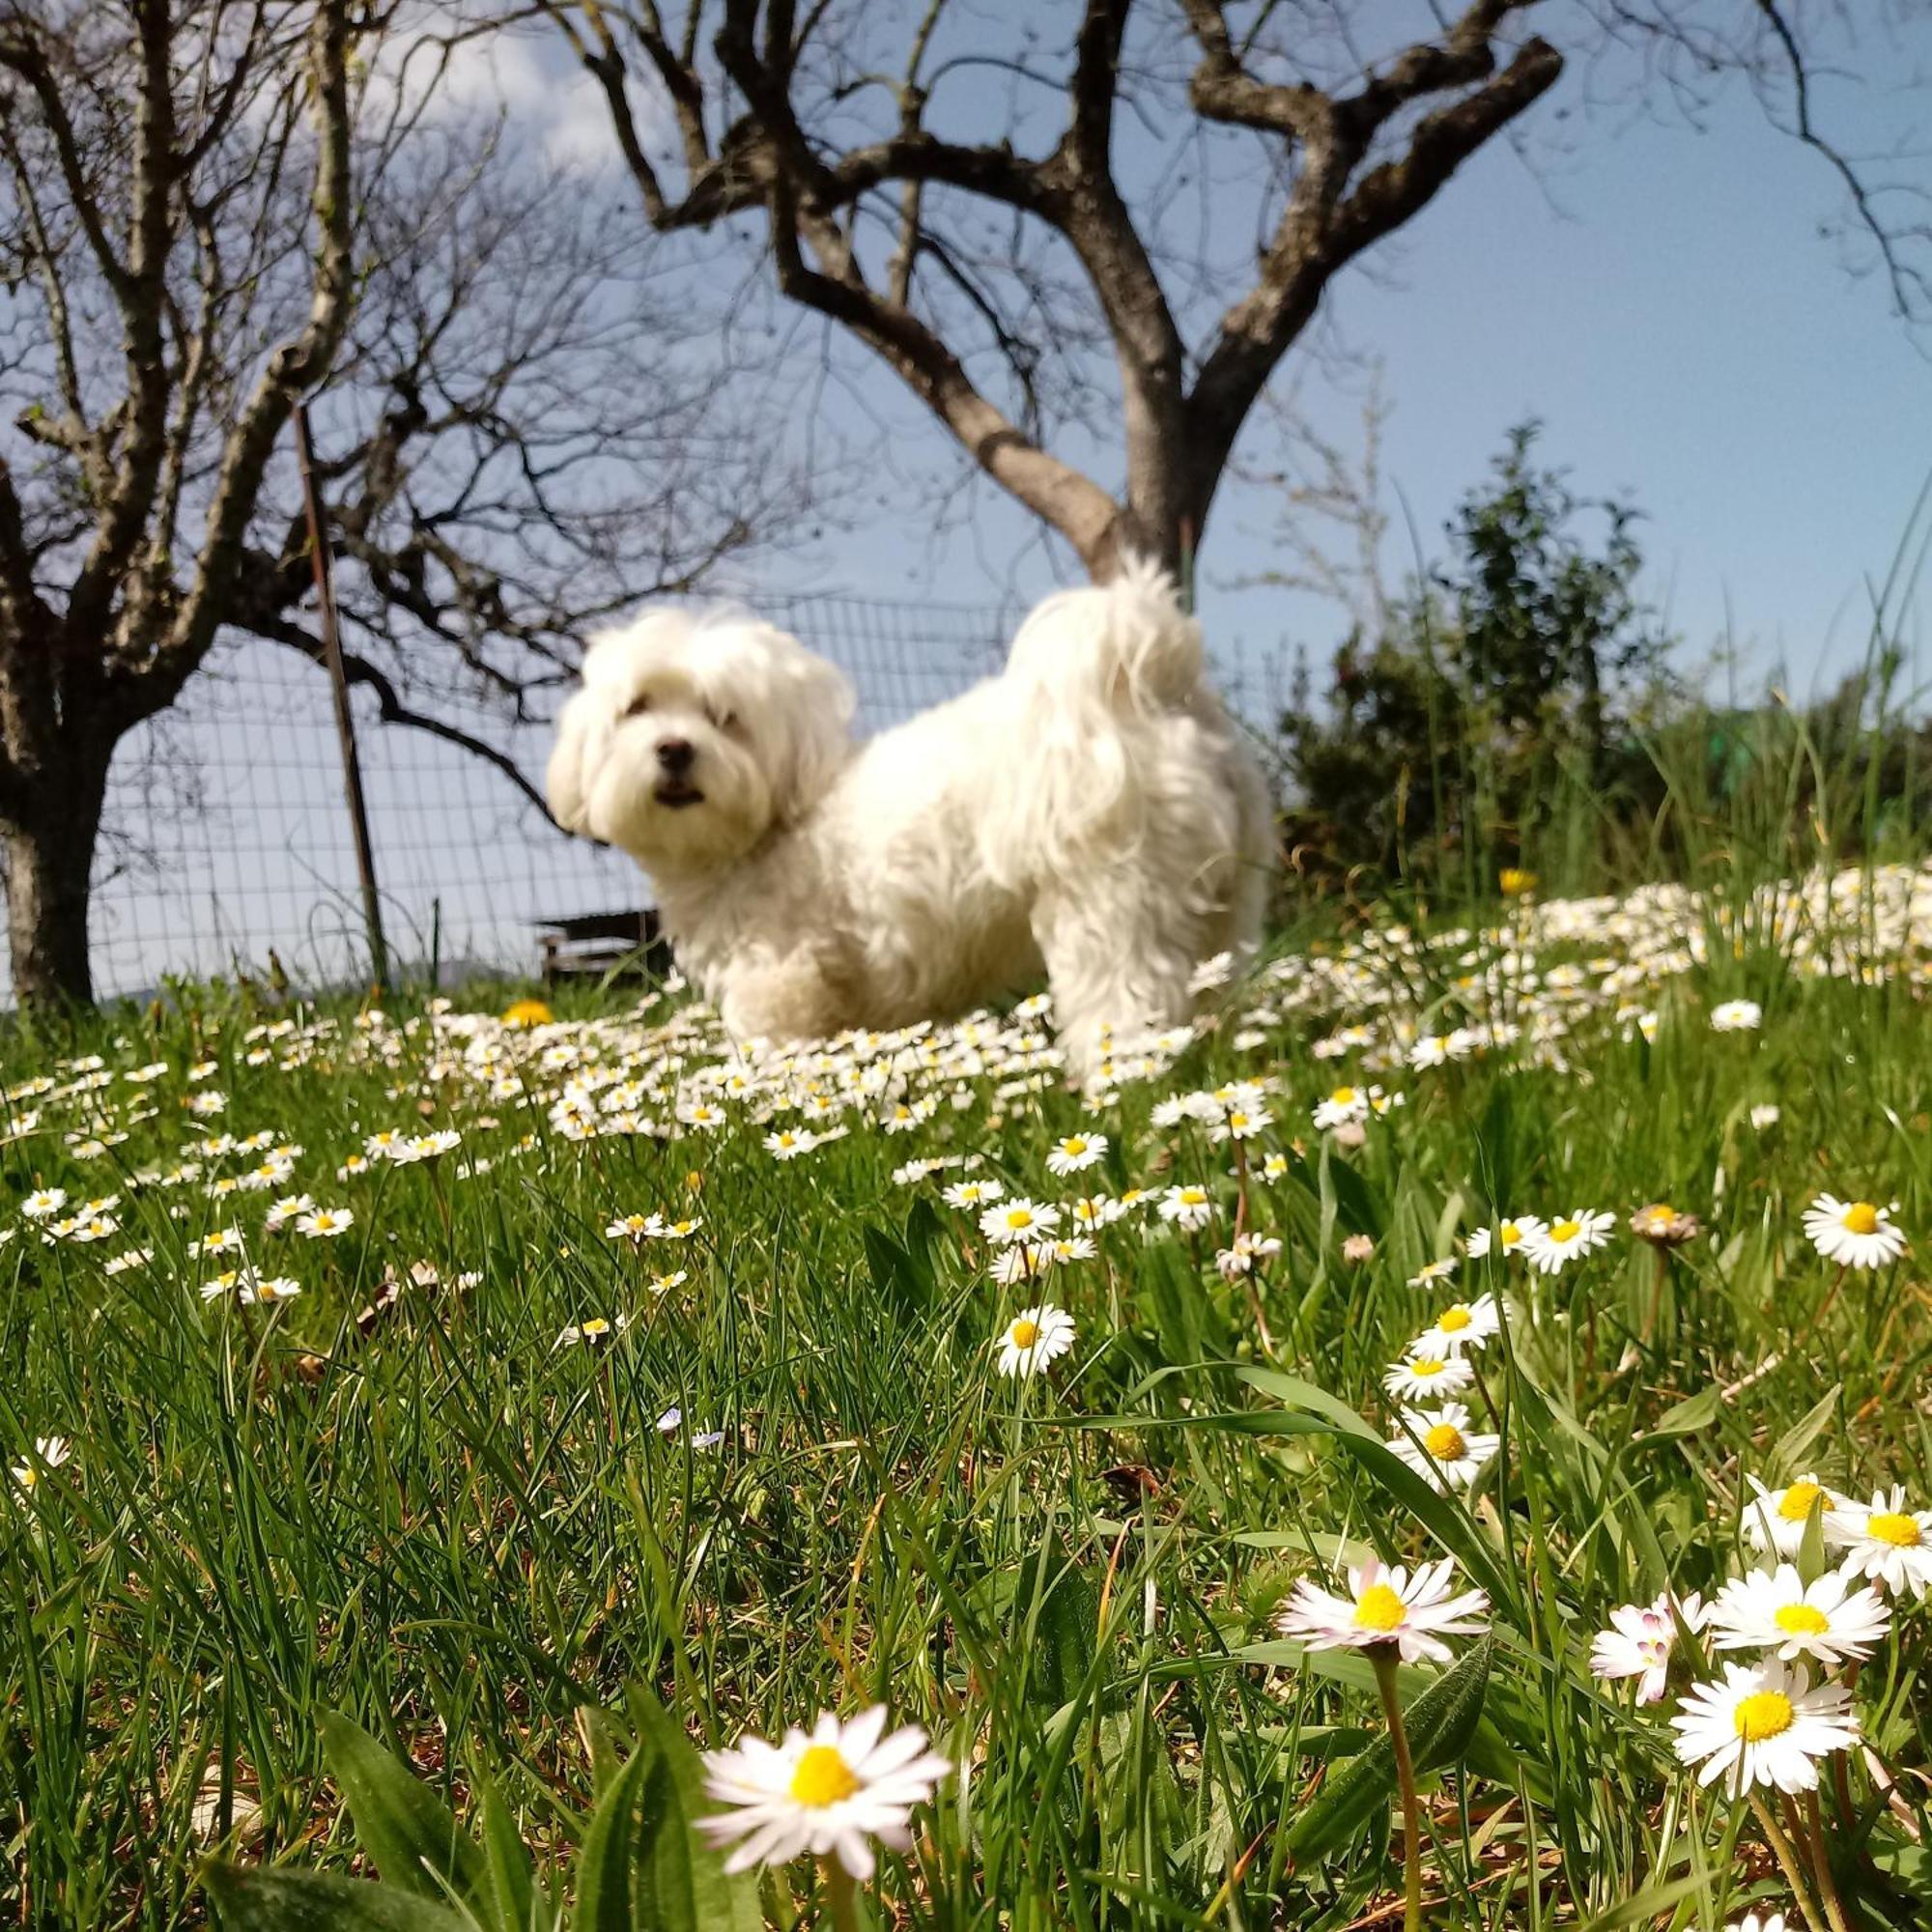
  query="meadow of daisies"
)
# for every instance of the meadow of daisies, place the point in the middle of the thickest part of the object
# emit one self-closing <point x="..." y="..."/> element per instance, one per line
<point x="1444" y="1440"/>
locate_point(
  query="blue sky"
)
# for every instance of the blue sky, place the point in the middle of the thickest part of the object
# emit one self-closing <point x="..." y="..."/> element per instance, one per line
<point x="1664" y="299"/>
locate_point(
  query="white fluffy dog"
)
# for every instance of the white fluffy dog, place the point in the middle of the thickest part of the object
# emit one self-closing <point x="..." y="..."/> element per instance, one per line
<point x="1092" y="812"/>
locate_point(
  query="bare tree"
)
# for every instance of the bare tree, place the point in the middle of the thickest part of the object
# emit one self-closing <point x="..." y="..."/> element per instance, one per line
<point x="210" y="209"/>
<point x="945" y="182"/>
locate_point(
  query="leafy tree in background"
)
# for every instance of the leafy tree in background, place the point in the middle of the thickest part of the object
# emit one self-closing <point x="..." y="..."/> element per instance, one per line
<point x="1503" y="678"/>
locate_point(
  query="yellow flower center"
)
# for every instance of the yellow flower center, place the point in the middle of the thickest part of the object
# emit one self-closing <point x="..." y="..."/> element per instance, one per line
<point x="1800" y="1620"/>
<point x="1565" y="1231"/>
<point x="1022" y="1334"/>
<point x="1661" y="1215"/>
<point x="1380" y="1608"/>
<point x="823" y="1778"/>
<point x="1453" y="1319"/>
<point x="1859" y="1218"/>
<point x="1019" y="1217"/>
<point x="1343" y="1096"/>
<point x="1795" y="1504"/>
<point x="1445" y="1442"/>
<point x="1764" y="1714"/>
<point x="1896" y="1528"/>
<point x="1511" y="1233"/>
<point x="1073" y="1143"/>
<point x="1427" y="1365"/>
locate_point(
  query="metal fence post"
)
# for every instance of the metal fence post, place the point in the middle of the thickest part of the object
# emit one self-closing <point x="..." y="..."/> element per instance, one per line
<point x="345" y="723"/>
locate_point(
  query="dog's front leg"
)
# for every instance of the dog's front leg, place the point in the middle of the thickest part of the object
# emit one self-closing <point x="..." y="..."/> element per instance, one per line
<point x="793" y="998"/>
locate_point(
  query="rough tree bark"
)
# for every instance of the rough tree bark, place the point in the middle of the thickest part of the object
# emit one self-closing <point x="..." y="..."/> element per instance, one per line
<point x="211" y="208"/>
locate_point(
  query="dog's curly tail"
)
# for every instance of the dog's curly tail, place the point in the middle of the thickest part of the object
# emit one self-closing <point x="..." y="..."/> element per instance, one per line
<point x="1124" y="645"/>
<point x="1102" y="684"/>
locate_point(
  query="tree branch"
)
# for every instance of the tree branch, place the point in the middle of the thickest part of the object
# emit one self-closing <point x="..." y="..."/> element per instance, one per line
<point x="294" y="367"/>
<point x="392" y="710"/>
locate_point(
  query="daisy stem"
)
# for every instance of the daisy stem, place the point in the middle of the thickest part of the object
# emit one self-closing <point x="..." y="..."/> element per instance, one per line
<point x="1787" y="1862"/>
<point x="1383" y="1657"/>
<point x="1823" y="1308"/>
<point x="1821" y="1861"/>
<point x="1658" y="1279"/>
<point x="841" y="1893"/>
<point x="1842" y="1773"/>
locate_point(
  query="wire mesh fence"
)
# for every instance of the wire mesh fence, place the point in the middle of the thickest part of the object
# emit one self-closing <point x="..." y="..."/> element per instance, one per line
<point x="227" y="835"/>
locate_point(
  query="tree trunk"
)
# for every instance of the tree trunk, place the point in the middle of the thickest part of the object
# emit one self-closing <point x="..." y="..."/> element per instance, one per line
<point x="49" y="871"/>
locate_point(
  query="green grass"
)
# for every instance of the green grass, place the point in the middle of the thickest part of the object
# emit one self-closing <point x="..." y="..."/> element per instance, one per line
<point x="461" y="1534"/>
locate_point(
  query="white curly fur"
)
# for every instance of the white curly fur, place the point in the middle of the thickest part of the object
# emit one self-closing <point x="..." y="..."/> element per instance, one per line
<point x="1092" y="812"/>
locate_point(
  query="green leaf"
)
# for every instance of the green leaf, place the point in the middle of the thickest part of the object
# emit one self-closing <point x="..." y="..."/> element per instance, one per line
<point x="1296" y="1393"/>
<point x="904" y="1282"/>
<point x="679" y="1882"/>
<point x="1685" y="1418"/>
<point x="603" y="1859"/>
<point x="1061" y="1612"/>
<point x="249" y="1900"/>
<point x="508" y="1896"/>
<point x="410" y="1833"/>
<point x="1788" y="1458"/>
<point x="1439" y="1725"/>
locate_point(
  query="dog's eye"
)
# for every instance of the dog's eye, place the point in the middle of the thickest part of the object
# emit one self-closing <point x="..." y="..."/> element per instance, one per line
<point x="728" y="723"/>
<point x="639" y="706"/>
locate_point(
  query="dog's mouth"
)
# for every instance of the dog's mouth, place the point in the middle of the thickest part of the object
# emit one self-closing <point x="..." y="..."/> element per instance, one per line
<point x="676" y="793"/>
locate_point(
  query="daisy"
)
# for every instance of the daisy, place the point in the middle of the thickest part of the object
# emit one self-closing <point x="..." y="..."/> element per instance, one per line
<point x="1075" y="1153"/>
<point x="592" y="1333"/>
<point x="827" y="1794"/>
<point x="1385" y="1606"/>
<point x="1854" y="1234"/>
<point x="285" y="1210"/>
<point x="1240" y="1124"/>
<point x="221" y="1241"/>
<point x="1509" y="1235"/>
<point x="1774" y="1518"/>
<point x="1663" y="1226"/>
<point x="1440" y="1447"/>
<point x="1419" y="1375"/>
<point x="1772" y="1609"/>
<point x="632" y="1227"/>
<point x="269" y="1289"/>
<point x="1438" y="1270"/>
<point x="1766" y="1115"/>
<point x="1021" y="1260"/>
<point x="49" y="1202"/>
<point x="1248" y="1249"/>
<point x="50" y="1453"/>
<point x="1357" y="1248"/>
<point x="1463" y="1325"/>
<point x="321" y="1223"/>
<point x="1736" y="1016"/>
<point x="1763" y="1724"/>
<point x="1189" y="1207"/>
<point x="1639" y="1641"/>
<point x="972" y="1193"/>
<point x="1751" y="1922"/>
<point x="1344" y="1104"/>
<point x="1018" y="1220"/>
<point x="1886" y="1542"/>
<point x="1579" y="1234"/>
<point x="1033" y="1338"/>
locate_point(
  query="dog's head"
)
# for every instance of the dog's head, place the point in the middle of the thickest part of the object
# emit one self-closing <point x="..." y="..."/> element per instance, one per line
<point x="694" y="736"/>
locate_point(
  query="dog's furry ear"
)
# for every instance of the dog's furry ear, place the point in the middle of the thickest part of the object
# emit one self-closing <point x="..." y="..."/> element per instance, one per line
<point x="816" y="701"/>
<point x="583" y="735"/>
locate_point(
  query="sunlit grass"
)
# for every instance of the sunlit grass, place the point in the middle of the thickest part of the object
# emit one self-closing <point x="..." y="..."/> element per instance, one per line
<point x="427" y="1513"/>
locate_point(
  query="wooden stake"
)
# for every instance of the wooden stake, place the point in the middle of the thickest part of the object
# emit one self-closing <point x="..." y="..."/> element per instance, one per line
<point x="345" y="721"/>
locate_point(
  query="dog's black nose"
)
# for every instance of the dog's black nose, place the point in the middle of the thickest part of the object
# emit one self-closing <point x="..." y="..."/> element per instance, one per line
<point x="675" y="754"/>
